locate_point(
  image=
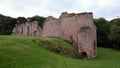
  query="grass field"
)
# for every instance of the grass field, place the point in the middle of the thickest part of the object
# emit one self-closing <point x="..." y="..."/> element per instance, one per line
<point x="21" y="52"/>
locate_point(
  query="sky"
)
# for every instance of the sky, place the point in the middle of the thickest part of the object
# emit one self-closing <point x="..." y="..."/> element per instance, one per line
<point x="108" y="9"/>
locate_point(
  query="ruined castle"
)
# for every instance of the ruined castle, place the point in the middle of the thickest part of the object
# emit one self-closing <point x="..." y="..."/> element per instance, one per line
<point x="79" y="27"/>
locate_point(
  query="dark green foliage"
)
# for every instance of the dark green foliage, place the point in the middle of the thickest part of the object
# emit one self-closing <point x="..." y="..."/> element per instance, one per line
<point x="115" y="33"/>
<point x="102" y="32"/>
<point x="6" y="25"/>
<point x="108" y="33"/>
<point x="37" y="18"/>
<point x="20" y="20"/>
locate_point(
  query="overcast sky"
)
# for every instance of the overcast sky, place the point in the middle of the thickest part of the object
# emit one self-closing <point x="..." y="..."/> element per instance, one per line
<point x="101" y="8"/>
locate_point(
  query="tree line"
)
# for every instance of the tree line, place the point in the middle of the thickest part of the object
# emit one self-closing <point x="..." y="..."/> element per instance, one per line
<point x="108" y="32"/>
<point x="8" y="23"/>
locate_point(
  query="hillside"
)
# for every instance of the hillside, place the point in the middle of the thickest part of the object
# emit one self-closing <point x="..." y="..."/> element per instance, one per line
<point x="22" y="52"/>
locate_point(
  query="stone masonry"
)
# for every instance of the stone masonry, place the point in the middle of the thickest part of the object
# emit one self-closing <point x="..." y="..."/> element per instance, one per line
<point x="27" y="29"/>
<point x="79" y="27"/>
<point x="51" y="27"/>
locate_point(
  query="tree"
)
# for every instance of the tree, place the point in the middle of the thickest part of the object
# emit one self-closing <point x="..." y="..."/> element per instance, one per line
<point x="6" y="25"/>
<point x="37" y="18"/>
<point x="103" y="30"/>
<point x="115" y="33"/>
<point x="20" y="20"/>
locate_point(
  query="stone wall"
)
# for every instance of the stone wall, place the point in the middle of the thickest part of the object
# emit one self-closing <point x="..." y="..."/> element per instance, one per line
<point x="27" y="29"/>
<point x="82" y="29"/>
<point x="79" y="27"/>
<point x="52" y="27"/>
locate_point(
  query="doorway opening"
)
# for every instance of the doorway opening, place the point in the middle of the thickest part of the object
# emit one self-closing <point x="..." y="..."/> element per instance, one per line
<point x="84" y="54"/>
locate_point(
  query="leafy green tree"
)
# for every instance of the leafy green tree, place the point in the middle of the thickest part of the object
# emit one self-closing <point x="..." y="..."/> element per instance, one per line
<point x="20" y="20"/>
<point x="37" y="18"/>
<point x="103" y="30"/>
<point x="6" y="25"/>
<point x="115" y="33"/>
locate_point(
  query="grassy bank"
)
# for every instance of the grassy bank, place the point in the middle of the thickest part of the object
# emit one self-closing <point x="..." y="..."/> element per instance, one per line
<point x="22" y="52"/>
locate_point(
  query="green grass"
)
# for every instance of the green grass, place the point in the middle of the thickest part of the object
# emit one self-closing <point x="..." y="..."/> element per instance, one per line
<point x="21" y="52"/>
<point x="58" y="46"/>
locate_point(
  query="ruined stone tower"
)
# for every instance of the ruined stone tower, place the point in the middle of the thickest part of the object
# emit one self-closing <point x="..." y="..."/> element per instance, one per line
<point x="82" y="29"/>
<point x="78" y="27"/>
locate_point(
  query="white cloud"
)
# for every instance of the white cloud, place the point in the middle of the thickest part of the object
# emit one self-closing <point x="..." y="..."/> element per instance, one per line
<point x="101" y="8"/>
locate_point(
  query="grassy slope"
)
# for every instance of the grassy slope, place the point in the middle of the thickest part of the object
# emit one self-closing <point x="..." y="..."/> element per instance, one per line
<point x="21" y="52"/>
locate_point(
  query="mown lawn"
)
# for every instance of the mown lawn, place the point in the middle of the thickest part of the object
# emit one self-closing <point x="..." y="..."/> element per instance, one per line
<point x="21" y="52"/>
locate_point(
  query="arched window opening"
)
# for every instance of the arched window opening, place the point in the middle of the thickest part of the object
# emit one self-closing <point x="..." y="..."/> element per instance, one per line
<point x="35" y="33"/>
<point x="28" y="30"/>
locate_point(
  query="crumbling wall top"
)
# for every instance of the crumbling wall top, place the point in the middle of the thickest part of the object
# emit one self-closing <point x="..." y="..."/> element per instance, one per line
<point x="65" y="14"/>
<point x="50" y="18"/>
